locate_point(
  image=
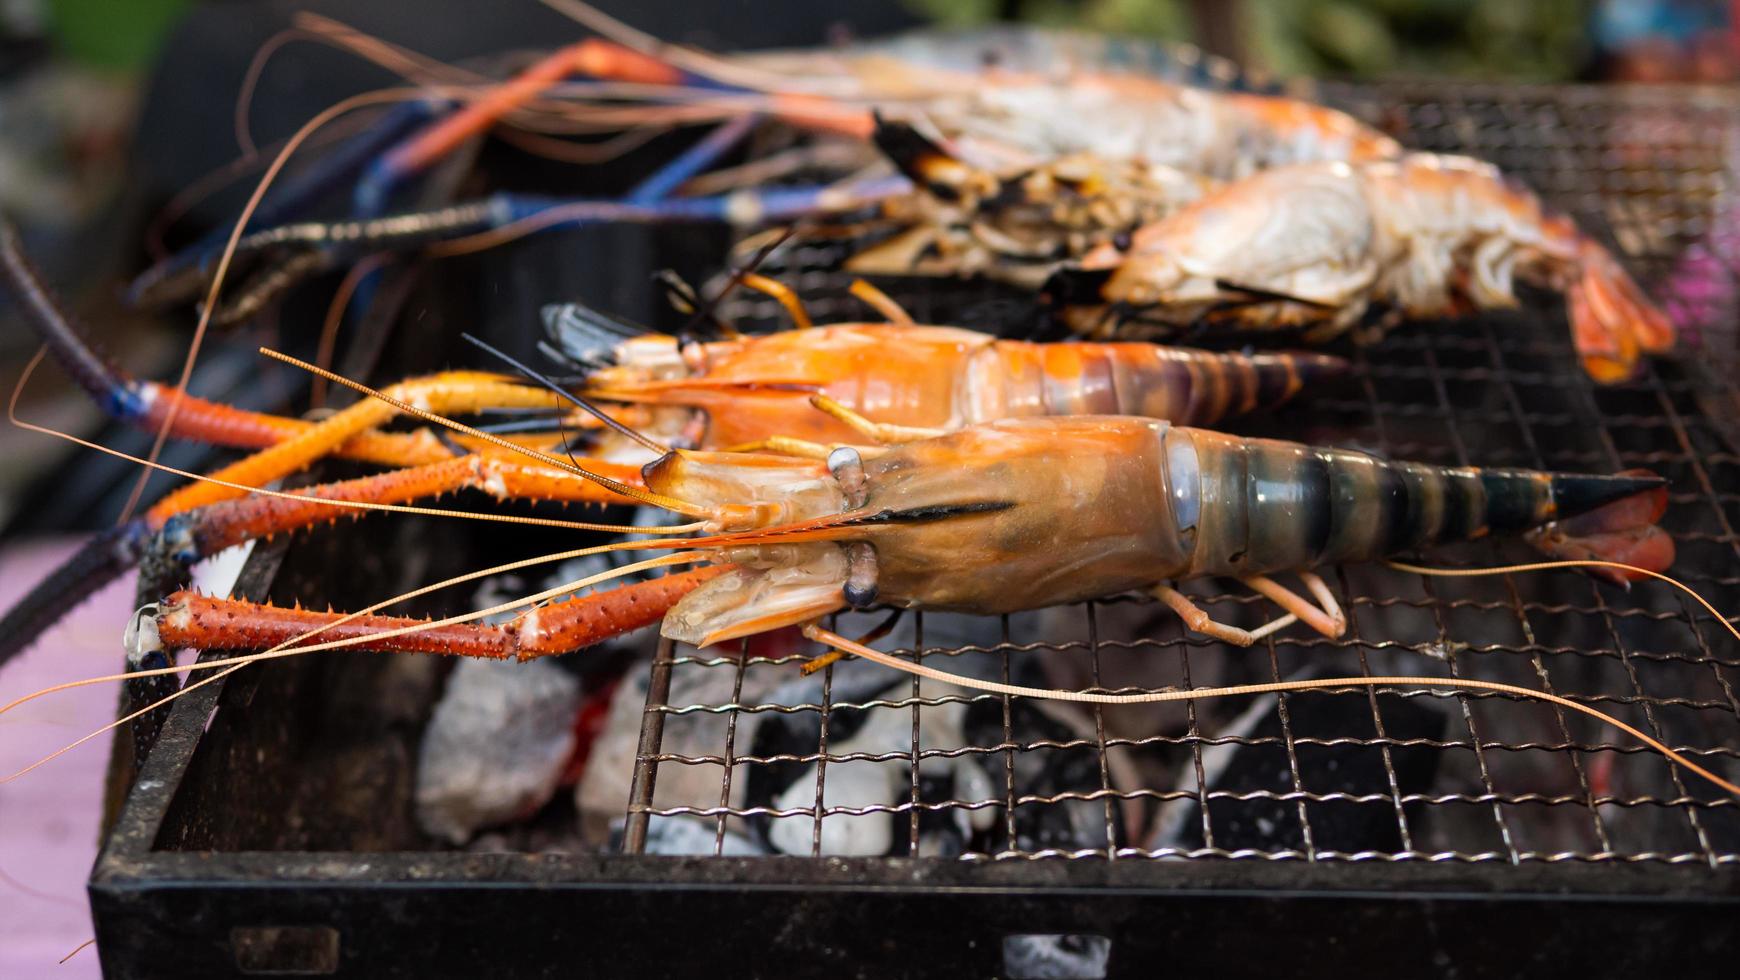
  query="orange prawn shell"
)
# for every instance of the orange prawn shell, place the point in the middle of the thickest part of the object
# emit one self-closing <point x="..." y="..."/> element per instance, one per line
<point x="1048" y="530"/>
<point x="902" y="375"/>
<point x="945" y="378"/>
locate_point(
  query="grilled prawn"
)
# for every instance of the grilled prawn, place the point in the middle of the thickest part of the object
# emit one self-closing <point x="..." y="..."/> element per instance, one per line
<point x="1014" y="226"/>
<point x="749" y="389"/>
<point x="1019" y="514"/>
<point x="1001" y="116"/>
<point x="1063" y="155"/>
<point x="1320" y="245"/>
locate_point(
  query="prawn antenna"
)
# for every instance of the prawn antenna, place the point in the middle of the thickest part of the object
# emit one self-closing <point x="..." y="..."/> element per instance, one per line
<point x="841" y="643"/>
<point x="566" y="395"/>
<point x="707" y="312"/>
<point x="1542" y="566"/>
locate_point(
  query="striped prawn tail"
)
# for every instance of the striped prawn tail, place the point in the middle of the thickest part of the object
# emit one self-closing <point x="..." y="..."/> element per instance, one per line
<point x="1183" y="386"/>
<point x="1267" y="506"/>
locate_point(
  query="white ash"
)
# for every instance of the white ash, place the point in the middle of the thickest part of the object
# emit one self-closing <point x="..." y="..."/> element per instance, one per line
<point x="602" y="795"/>
<point x="695" y="835"/>
<point x="496" y="745"/>
<point x="863" y="783"/>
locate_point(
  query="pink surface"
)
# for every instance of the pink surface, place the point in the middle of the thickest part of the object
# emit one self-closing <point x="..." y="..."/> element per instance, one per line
<point x="49" y="818"/>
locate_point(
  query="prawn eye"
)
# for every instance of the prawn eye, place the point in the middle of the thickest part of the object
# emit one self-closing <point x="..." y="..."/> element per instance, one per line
<point x="848" y="468"/>
<point x="1121" y="241"/>
<point x="860" y="588"/>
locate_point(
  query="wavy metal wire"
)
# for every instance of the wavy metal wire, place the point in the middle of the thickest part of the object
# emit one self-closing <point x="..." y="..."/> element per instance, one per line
<point x="1650" y="170"/>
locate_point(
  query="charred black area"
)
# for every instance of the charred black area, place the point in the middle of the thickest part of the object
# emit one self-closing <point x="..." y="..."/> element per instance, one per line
<point x="1069" y="287"/>
<point x="921" y="515"/>
<point x="916" y="155"/>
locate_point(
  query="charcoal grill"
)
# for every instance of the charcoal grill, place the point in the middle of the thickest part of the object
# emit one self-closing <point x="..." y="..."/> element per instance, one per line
<point x="1431" y="831"/>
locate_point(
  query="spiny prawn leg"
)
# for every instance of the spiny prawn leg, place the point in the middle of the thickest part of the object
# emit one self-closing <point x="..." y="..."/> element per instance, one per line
<point x="192" y="535"/>
<point x="149" y="406"/>
<point x="451" y="393"/>
<point x="188" y="619"/>
<point x="1326" y="617"/>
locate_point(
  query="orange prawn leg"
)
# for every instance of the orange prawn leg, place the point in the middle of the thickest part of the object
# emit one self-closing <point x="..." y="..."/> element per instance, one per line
<point x="214" y="423"/>
<point x="526" y="480"/>
<point x="1199" y="620"/>
<point x="204" y="531"/>
<point x="593" y="57"/>
<point x="457" y="392"/>
<point x="188" y="619"/>
<point x="1326" y="617"/>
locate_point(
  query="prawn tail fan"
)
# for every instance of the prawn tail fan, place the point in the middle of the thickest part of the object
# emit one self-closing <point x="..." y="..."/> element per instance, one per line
<point x="1622" y="529"/>
<point x="1612" y="321"/>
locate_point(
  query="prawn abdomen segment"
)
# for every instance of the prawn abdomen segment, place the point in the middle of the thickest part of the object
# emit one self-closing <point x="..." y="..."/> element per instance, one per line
<point x="1011" y="379"/>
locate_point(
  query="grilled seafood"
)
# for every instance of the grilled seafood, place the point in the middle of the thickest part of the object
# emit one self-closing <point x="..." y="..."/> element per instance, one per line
<point x="748" y="389"/>
<point x="1002" y="116"/>
<point x="717" y="394"/>
<point x="1017" y="228"/>
<point x="1023" y="513"/>
<point x="1071" y="155"/>
<point x="1320" y="245"/>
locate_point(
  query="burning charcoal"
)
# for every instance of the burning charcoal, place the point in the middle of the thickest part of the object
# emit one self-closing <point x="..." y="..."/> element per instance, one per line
<point x="1268" y="824"/>
<point x="849" y="784"/>
<point x="496" y="745"/>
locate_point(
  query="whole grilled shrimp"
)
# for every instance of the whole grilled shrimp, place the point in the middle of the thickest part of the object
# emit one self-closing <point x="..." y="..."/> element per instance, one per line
<point x="1321" y="245"/>
<point x="911" y="375"/>
<point x="1000" y="117"/>
<point x="1012" y="515"/>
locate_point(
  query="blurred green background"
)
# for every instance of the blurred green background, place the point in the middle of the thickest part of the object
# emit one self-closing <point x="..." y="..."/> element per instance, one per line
<point x="1523" y="39"/>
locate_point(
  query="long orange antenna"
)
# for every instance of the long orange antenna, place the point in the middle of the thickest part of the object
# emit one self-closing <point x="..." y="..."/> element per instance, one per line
<point x="1157" y="697"/>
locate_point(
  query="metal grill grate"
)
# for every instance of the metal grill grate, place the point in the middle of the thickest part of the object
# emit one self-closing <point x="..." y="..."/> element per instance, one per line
<point x="1343" y="775"/>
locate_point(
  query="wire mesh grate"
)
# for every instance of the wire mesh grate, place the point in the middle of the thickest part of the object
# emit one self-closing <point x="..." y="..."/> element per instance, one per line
<point x="859" y="760"/>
